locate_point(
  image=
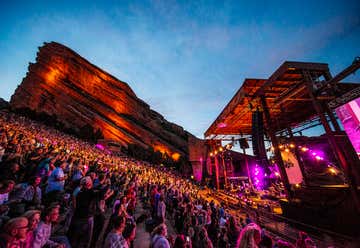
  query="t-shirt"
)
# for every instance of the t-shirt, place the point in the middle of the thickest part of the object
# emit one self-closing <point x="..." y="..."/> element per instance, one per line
<point x="53" y="181"/>
<point x="86" y="203"/>
<point x="114" y="240"/>
<point x="159" y="242"/>
<point x="4" y="198"/>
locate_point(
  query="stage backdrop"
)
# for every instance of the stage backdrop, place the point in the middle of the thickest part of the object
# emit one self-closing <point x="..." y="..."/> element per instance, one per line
<point x="349" y="115"/>
<point x="292" y="167"/>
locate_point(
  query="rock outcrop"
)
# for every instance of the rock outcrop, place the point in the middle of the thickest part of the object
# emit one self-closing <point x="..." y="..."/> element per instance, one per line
<point x="4" y="104"/>
<point x="78" y="93"/>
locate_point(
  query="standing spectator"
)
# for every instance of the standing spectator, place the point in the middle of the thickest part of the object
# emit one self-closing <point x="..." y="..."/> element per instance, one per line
<point x="82" y="224"/>
<point x="56" y="179"/>
<point x="203" y="240"/>
<point x="161" y="209"/>
<point x="129" y="233"/>
<point x="158" y="237"/>
<point x="233" y="231"/>
<point x="115" y="239"/>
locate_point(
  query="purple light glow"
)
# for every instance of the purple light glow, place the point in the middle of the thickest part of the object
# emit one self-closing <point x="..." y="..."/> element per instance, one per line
<point x="258" y="176"/>
<point x="100" y="147"/>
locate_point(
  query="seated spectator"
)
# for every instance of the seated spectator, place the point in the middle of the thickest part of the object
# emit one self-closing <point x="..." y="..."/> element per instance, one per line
<point x="28" y="194"/>
<point x="115" y="238"/>
<point x="158" y="237"/>
<point x="43" y="231"/>
<point x="6" y="187"/>
<point x="15" y="231"/>
<point x="250" y="236"/>
<point x="33" y="217"/>
<point x="10" y="172"/>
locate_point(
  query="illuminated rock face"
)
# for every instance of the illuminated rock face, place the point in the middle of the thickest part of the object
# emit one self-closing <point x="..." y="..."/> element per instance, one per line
<point x="64" y="84"/>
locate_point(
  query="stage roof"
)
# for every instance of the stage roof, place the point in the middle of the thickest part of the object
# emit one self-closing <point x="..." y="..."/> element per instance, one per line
<point x="285" y="93"/>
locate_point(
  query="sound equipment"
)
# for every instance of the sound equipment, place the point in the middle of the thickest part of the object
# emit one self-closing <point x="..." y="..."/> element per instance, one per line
<point x="258" y="135"/>
<point x="243" y="143"/>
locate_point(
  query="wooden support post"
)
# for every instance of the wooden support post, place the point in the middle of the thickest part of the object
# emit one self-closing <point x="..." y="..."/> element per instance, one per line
<point x="217" y="172"/>
<point x="248" y="170"/>
<point x="332" y="118"/>
<point x="348" y="167"/>
<point x="275" y="144"/>
<point x="224" y="167"/>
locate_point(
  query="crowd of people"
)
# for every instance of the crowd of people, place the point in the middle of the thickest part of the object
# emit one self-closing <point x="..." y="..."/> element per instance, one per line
<point x="59" y="191"/>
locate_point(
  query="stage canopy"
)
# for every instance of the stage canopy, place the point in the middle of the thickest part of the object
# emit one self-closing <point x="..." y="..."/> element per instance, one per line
<point x="286" y="93"/>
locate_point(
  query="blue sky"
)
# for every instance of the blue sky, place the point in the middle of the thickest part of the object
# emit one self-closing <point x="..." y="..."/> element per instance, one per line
<point x="185" y="58"/>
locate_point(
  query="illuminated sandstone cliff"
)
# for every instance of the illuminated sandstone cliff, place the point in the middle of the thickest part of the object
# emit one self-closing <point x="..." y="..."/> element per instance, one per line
<point x="64" y="84"/>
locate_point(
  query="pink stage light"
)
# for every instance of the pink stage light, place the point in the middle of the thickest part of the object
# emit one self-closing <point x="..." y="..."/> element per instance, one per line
<point x="100" y="146"/>
<point x="222" y="124"/>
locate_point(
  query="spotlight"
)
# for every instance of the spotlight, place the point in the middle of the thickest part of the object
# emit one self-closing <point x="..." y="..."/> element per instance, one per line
<point x="332" y="171"/>
<point x="318" y="158"/>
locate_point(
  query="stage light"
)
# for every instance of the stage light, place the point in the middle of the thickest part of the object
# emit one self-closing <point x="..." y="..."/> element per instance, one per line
<point x="297" y="185"/>
<point x="281" y="146"/>
<point x="220" y="149"/>
<point x="211" y="154"/>
<point x="292" y="145"/>
<point x="287" y="150"/>
<point x="332" y="171"/>
<point x="277" y="174"/>
<point x="318" y="158"/>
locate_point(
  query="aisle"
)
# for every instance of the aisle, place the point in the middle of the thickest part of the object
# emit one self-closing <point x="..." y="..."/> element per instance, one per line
<point x="142" y="239"/>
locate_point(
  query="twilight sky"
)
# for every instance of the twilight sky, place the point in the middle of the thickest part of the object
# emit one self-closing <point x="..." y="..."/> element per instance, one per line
<point x="184" y="58"/>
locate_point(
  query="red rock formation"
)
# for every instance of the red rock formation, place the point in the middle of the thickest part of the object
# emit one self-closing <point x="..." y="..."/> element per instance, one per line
<point x="64" y="84"/>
